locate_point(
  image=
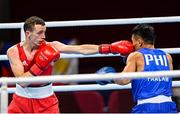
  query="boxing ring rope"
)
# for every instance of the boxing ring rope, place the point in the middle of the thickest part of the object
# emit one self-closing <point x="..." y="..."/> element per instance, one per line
<point x="91" y="87"/>
<point x="63" y="55"/>
<point x="168" y="19"/>
<point x="87" y="77"/>
<point x="4" y="81"/>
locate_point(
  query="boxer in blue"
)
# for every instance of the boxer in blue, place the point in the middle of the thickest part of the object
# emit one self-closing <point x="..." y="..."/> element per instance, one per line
<point x="153" y="95"/>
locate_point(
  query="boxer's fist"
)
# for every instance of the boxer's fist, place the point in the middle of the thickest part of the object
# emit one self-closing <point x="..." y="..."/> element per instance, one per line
<point x="105" y="70"/>
<point x="122" y="47"/>
<point x="44" y="56"/>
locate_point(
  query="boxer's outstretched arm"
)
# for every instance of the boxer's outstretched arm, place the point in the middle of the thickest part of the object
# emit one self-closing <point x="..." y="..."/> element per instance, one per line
<point x="83" y="49"/>
<point x="123" y="47"/>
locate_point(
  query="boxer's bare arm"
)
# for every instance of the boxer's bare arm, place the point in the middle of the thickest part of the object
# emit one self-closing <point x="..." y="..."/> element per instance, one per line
<point x="16" y="64"/>
<point x="170" y="61"/>
<point x="83" y="49"/>
<point x="131" y="66"/>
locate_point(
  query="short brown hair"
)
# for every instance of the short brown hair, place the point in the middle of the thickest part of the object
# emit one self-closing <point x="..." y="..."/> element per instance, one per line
<point x="31" y="22"/>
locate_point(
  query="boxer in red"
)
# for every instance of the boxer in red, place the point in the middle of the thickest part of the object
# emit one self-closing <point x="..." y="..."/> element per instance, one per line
<point x="34" y="57"/>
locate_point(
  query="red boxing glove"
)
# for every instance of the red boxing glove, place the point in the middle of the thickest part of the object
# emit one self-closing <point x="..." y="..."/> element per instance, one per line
<point x="123" y="47"/>
<point x="44" y="56"/>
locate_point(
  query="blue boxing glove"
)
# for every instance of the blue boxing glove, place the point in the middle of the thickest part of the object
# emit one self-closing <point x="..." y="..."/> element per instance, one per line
<point x="105" y="70"/>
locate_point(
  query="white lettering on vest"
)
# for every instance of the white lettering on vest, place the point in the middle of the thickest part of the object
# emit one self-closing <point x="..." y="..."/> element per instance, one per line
<point x="155" y="79"/>
<point x="159" y="59"/>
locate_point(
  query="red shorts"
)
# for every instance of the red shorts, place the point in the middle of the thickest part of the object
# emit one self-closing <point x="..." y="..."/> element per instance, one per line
<point x="32" y="105"/>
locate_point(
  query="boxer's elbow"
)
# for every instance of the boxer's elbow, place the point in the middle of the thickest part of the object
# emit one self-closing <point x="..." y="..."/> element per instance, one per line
<point x="122" y="81"/>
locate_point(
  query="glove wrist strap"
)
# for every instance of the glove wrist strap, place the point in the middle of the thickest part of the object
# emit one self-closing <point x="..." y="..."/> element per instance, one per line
<point x="104" y="49"/>
<point x="35" y="70"/>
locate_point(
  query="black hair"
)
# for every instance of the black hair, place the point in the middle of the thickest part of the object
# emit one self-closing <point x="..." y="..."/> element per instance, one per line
<point x="146" y="32"/>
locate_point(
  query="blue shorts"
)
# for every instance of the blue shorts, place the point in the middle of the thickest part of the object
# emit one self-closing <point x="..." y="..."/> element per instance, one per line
<point x="166" y="107"/>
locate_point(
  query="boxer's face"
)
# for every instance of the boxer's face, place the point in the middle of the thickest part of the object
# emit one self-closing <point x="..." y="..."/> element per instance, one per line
<point x="37" y="35"/>
<point x="137" y="42"/>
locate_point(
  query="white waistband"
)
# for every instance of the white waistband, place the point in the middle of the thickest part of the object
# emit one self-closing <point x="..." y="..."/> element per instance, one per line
<point x="34" y="92"/>
<point x="157" y="99"/>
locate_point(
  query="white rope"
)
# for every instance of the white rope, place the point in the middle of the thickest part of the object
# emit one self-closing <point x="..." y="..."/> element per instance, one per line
<point x="79" y="78"/>
<point x="93" y="23"/>
<point x="91" y="87"/>
<point x="89" y="77"/>
<point x="3" y="57"/>
<point x="87" y="87"/>
<point x="171" y="50"/>
<point x="63" y="55"/>
<point x="11" y="25"/>
<point x="168" y="19"/>
<point x="114" y="21"/>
